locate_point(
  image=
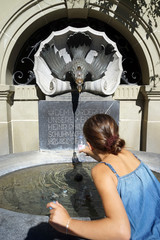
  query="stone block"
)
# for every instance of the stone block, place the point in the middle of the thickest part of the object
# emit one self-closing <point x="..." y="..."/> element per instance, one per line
<point x="4" y="139"/>
<point x="130" y="132"/>
<point x="154" y="111"/>
<point x="25" y="136"/>
<point x="130" y="111"/>
<point x="60" y="123"/>
<point x="153" y="136"/>
<point x="25" y="110"/>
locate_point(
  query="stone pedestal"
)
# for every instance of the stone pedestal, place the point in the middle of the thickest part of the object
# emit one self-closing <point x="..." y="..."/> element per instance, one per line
<point x="131" y="114"/>
<point x="151" y="126"/>
<point x="25" y="135"/>
<point x="18" y="119"/>
<point x="6" y="94"/>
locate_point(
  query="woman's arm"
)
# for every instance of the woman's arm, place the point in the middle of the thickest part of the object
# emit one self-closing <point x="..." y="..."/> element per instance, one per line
<point x="90" y="152"/>
<point x="114" y="226"/>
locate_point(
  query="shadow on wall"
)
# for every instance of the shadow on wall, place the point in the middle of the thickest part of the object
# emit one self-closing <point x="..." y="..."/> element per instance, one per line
<point x="135" y="12"/>
<point x="150" y="9"/>
<point x="44" y="231"/>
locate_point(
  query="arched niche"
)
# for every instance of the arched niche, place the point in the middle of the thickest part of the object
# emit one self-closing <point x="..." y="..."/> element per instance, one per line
<point x="130" y="61"/>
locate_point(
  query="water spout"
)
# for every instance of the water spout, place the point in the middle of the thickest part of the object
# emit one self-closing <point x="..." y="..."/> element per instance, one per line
<point x="75" y="160"/>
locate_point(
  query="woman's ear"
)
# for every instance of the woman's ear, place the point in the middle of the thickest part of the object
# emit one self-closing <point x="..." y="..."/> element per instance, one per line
<point x="90" y="146"/>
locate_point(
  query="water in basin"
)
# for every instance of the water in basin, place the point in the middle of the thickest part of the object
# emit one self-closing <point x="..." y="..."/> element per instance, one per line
<point x="29" y="190"/>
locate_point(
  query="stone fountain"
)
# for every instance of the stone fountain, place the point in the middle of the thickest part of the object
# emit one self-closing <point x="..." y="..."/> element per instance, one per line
<point x="77" y="69"/>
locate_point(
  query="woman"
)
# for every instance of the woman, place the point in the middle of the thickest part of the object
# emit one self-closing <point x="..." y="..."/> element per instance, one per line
<point x="129" y="191"/>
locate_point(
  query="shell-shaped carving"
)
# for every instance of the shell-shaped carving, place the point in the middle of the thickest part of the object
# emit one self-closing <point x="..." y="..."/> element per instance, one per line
<point x="88" y="56"/>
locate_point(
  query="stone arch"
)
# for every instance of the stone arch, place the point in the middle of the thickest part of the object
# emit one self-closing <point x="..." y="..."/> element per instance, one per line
<point x="120" y="16"/>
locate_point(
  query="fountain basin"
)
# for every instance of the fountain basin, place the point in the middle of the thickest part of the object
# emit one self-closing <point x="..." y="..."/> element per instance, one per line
<point x="18" y="226"/>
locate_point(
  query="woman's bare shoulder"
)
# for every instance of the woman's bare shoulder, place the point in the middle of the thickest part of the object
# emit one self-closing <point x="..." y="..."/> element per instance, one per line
<point x="100" y="171"/>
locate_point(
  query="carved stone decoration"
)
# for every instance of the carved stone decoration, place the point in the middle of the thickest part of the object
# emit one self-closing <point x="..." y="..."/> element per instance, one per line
<point x="78" y="58"/>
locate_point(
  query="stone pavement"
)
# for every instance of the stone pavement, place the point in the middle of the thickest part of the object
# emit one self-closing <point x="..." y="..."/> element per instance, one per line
<point x="18" y="226"/>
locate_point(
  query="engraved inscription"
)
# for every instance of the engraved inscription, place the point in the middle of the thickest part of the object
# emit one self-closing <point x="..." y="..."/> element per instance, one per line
<point x="59" y="128"/>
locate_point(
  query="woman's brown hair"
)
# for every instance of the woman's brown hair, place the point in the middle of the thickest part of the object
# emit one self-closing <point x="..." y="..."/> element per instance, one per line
<point x="101" y="131"/>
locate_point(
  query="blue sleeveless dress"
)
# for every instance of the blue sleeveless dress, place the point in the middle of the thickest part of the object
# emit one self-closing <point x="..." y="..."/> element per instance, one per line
<point x="140" y="194"/>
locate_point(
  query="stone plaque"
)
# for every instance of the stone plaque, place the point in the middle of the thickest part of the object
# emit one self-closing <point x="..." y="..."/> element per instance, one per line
<point x="60" y="126"/>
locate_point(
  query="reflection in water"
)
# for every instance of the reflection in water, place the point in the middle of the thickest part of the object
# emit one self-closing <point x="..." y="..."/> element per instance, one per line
<point x="29" y="190"/>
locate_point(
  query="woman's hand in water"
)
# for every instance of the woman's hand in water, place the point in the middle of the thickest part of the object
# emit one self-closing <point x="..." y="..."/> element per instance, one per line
<point x="59" y="216"/>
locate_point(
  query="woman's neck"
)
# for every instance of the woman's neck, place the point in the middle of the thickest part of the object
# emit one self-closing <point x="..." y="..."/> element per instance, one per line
<point x="103" y="156"/>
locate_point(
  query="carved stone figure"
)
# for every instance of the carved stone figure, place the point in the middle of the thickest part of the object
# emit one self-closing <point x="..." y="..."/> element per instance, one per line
<point x="78" y="58"/>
